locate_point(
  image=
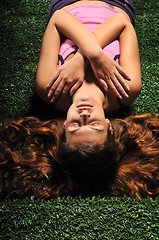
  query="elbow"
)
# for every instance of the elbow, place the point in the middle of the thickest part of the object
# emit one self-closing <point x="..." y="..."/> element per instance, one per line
<point x="133" y="94"/>
<point x="136" y="89"/>
<point x="41" y="90"/>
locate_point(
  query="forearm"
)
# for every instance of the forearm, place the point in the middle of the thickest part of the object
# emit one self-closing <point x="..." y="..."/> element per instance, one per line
<point x="48" y="59"/>
<point x="130" y="61"/>
<point x="106" y="32"/>
<point x="110" y="29"/>
<point x="73" y="29"/>
<point x="107" y="71"/>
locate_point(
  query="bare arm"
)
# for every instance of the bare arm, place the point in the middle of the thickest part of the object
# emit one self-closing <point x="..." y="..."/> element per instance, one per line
<point x="73" y="29"/>
<point x="90" y="46"/>
<point x="130" y="61"/>
<point x="51" y="44"/>
<point x="48" y="59"/>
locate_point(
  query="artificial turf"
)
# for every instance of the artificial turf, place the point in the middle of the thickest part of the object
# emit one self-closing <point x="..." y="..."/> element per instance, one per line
<point x="22" y="26"/>
<point x="77" y="218"/>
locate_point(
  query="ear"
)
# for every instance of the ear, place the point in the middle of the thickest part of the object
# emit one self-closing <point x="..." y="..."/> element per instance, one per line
<point x="110" y="128"/>
<point x="64" y="124"/>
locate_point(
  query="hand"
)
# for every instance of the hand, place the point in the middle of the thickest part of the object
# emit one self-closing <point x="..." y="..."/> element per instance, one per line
<point x="110" y="75"/>
<point x="69" y="77"/>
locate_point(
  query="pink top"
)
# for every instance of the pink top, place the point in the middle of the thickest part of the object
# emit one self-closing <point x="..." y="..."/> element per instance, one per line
<point x="126" y="5"/>
<point x="91" y="15"/>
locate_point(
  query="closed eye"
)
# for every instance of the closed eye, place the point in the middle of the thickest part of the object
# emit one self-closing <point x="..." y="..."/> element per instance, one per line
<point x="95" y="123"/>
<point x="74" y="126"/>
<point x="98" y="128"/>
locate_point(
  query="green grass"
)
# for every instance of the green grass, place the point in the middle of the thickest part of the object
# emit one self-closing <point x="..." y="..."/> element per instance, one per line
<point x="22" y="26"/>
<point x="77" y="218"/>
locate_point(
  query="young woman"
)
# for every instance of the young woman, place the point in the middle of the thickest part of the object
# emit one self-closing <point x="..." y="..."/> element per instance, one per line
<point x="40" y="159"/>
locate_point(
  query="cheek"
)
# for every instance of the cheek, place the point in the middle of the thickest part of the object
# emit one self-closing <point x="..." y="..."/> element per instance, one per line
<point x="70" y="114"/>
<point x="99" y="114"/>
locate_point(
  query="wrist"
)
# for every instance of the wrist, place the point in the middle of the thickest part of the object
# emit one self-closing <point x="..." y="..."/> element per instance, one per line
<point x="81" y="59"/>
<point x="96" y="55"/>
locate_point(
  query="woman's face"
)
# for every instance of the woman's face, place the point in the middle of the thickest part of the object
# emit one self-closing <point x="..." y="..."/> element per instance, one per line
<point x="86" y="123"/>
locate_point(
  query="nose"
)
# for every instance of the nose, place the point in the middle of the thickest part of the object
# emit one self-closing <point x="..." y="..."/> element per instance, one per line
<point x="85" y="113"/>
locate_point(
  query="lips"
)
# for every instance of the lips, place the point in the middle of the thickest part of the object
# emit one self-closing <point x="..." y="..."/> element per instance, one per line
<point x="84" y="106"/>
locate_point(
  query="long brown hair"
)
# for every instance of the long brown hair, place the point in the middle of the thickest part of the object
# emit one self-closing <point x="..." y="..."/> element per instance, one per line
<point x="29" y="159"/>
<point x="138" y="165"/>
<point x="28" y="148"/>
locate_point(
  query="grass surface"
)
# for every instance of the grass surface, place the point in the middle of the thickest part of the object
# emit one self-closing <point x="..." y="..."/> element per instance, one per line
<point x="77" y="218"/>
<point x="22" y="26"/>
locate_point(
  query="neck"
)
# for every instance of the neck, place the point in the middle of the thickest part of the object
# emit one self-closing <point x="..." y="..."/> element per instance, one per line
<point x="89" y="89"/>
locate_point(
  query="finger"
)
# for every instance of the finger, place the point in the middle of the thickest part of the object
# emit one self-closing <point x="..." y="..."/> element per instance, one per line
<point x="53" y="79"/>
<point x="114" y="87"/>
<point x="103" y="84"/>
<point x="53" y="87"/>
<point x="75" y="87"/>
<point x="57" y="91"/>
<point x="122" y="81"/>
<point x="123" y="72"/>
<point x="65" y="90"/>
<point x="119" y="87"/>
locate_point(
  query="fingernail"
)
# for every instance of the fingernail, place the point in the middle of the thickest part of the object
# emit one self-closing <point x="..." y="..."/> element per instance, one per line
<point x="49" y="95"/>
<point x="120" y="97"/>
<point x="105" y="88"/>
<point x="127" y="95"/>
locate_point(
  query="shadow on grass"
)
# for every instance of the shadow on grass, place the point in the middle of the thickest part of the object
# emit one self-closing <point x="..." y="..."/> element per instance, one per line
<point x="42" y="110"/>
<point x="8" y="4"/>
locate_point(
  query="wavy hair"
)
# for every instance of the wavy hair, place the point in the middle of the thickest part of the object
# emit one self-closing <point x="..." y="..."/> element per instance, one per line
<point x="138" y="165"/>
<point x="36" y="160"/>
<point x="27" y="157"/>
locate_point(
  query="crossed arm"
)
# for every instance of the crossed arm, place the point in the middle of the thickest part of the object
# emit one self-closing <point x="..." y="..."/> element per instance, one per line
<point x="108" y="72"/>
